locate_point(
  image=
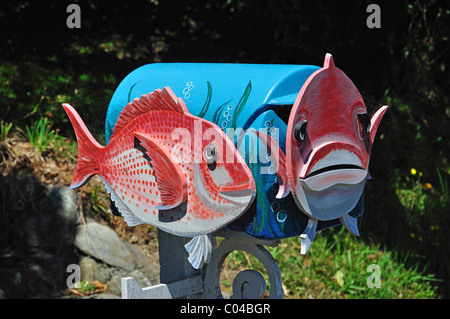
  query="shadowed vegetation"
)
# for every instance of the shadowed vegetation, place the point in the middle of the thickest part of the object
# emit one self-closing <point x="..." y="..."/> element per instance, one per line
<point x="405" y="65"/>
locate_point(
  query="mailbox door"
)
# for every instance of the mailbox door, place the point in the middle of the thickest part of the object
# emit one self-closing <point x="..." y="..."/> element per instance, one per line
<point x="269" y="217"/>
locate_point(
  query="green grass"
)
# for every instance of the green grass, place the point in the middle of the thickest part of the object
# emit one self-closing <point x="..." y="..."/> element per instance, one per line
<point x="340" y="265"/>
<point x="40" y="134"/>
<point x="31" y="91"/>
<point x="4" y="130"/>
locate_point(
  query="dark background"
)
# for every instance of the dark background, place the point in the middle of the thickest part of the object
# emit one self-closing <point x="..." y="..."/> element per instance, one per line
<point x="403" y="64"/>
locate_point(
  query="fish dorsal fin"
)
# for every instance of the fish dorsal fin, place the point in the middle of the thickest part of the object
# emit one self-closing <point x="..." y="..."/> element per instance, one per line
<point x="279" y="161"/>
<point x="158" y="100"/>
<point x="170" y="178"/>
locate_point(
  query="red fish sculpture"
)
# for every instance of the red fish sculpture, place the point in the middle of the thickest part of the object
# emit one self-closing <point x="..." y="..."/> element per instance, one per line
<point x="328" y="145"/>
<point x="166" y="167"/>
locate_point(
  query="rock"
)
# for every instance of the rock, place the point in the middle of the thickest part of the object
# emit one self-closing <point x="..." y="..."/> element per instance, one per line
<point x="65" y="201"/>
<point x="103" y="243"/>
<point x="43" y="234"/>
<point x="91" y="271"/>
<point x="110" y="259"/>
<point x="115" y="284"/>
<point x="146" y="274"/>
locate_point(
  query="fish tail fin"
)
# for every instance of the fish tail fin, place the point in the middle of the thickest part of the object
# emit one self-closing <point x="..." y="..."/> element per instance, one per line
<point x="88" y="148"/>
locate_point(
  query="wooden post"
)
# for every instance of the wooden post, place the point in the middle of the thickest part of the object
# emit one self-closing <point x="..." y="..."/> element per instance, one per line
<point x="173" y="258"/>
<point x="178" y="279"/>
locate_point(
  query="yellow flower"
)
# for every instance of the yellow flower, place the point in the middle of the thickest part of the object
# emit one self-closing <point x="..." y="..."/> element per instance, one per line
<point x="413" y="171"/>
<point x="427" y="186"/>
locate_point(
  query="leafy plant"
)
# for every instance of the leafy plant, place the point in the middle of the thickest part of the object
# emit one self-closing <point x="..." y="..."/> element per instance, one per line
<point x="4" y="130"/>
<point x="444" y="188"/>
<point x="40" y="133"/>
<point x="96" y="201"/>
<point x="86" y="288"/>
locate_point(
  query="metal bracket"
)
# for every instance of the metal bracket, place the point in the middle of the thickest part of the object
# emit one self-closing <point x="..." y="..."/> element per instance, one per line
<point x="180" y="280"/>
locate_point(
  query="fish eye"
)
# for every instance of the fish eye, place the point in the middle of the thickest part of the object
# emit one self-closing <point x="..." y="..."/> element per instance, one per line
<point x="211" y="155"/>
<point x="365" y="124"/>
<point x="300" y="130"/>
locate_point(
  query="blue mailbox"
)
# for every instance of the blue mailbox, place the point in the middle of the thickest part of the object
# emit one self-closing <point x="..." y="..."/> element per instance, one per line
<point x="237" y="97"/>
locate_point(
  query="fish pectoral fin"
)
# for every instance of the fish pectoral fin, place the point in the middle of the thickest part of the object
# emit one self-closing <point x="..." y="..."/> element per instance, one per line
<point x="350" y="223"/>
<point x="200" y="250"/>
<point x="170" y="178"/>
<point x="279" y="161"/>
<point x="308" y="235"/>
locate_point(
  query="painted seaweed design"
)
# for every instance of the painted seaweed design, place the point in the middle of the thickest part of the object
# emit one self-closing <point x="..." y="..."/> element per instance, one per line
<point x="207" y="102"/>
<point x="110" y="129"/>
<point x="219" y="111"/>
<point x="241" y="103"/>
<point x="131" y="89"/>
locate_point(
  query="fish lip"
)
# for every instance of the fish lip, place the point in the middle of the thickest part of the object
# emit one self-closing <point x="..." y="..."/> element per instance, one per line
<point x="237" y="190"/>
<point x="332" y="176"/>
<point x="338" y="158"/>
<point x="331" y="168"/>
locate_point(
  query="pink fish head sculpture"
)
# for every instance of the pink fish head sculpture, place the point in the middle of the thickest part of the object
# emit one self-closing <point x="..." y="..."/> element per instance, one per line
<point x="328" y="145"/>
<point x="168" y="168"/>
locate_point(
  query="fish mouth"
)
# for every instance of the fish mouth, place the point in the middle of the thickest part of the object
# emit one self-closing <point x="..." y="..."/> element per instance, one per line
<point x="331" y="185"/>
<point x="337" y="167"/>
<point x="240" y="193"/>
<point x="244" y="188"/>
<point x="328" y="168"/>
<point x="327" y="177"/>
<point x="331" y="192"/>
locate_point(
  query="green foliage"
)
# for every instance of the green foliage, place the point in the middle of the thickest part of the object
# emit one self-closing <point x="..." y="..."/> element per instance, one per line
<point x="97" y="201"/>
<point x="4" y="130"/>
<point x="40" y="134"/>
<point x="35" y="91"/>
<point x="85" y="287"/>
<point x="338" y="266"/>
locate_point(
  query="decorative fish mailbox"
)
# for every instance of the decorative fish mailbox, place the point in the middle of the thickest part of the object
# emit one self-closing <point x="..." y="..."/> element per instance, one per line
<point x="273" y="151"/>
<point x="328" y="145"/>
<point x="183" y="187"/>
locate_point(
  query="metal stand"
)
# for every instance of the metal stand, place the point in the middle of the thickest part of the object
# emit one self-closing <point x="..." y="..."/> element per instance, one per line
<point x="180" y="280"/>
